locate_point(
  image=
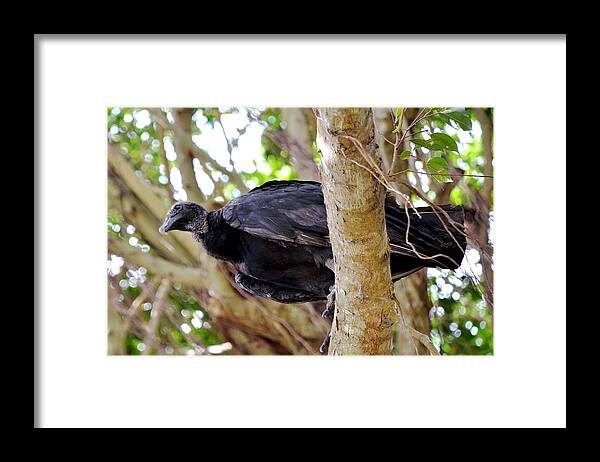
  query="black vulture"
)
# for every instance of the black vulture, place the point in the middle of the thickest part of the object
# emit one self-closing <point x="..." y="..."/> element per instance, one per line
<point x="277" y="239"/>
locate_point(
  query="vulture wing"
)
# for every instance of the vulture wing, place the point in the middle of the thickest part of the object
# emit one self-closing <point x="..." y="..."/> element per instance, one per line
<point x="282" y="211"/>
<point x="294" y="211"/>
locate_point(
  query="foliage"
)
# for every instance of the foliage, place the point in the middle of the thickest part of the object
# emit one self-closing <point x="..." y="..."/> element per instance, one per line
<point x="447" y="141"/>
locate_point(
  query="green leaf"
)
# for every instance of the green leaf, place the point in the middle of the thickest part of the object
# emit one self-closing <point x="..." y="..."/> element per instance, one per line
<point x="422" y="143"/>
<point x="431" y="144"/>
<point x="405" y="155"/>
<point x="442" y="178"/>
<point x="463" y="120"/>
<point x="444" y="118"/>
<point x="446" y="141"/>
<point x="437" y="165"/>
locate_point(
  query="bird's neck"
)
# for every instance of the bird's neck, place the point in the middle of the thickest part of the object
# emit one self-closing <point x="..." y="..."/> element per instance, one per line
<point x="219" y="239"/>
<point x="199" y="225"/>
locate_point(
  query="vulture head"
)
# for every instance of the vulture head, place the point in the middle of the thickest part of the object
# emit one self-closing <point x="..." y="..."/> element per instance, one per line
<point x="185" y="216"/>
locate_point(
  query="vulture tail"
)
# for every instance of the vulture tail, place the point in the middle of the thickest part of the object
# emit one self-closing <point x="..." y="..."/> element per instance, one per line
<point x="435" y="239"/>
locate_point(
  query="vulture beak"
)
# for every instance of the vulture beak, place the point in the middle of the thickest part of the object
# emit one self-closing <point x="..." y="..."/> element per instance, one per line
<point x="168" y="224"/>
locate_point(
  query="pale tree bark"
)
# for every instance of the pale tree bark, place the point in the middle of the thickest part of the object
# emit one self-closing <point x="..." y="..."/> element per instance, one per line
<point x="354" y="199"/>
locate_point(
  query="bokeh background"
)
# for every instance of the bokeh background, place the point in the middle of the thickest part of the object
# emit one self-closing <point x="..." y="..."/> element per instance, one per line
<point x="167" y="297"/>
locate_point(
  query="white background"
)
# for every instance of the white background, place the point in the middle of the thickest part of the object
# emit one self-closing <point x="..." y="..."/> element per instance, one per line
<point x="523" y="384"/>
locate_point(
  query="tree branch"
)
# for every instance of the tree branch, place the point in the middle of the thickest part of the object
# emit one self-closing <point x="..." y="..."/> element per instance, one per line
<point x="192" y="277"/>
<point x="192" y="149"/>
<point x="142" y="190"/>
<point x="146" y="223"/>
<point x="182" y="139"/>
<point x="126" y="171"/>
<point x="160" y="131"/>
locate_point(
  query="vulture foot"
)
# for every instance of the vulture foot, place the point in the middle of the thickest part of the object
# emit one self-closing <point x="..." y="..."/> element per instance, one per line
<point x="325" y="345"/>
<point x="330" y="307"/>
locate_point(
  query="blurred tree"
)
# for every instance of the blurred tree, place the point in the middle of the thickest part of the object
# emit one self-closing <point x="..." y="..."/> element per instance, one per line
<point x="166" y="296"/>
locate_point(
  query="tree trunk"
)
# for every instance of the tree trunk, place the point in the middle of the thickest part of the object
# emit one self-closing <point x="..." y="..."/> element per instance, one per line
<point x="412" y="295"/>
<point x="354" y="200"/>
<point x="484" y="205"/>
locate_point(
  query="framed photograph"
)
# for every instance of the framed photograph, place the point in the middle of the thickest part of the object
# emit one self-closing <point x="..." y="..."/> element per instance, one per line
<point x="234" y="233"/>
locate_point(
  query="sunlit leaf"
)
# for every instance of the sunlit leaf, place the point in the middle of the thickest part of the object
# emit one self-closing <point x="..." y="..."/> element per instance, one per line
<point x="428" y="144"/>
<point x="446" y="141"/>
<point x="436" y="164"/>
<point x="444" y="118"/>
<point x="463" y="120"/>
<point x="438" y="167"/>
